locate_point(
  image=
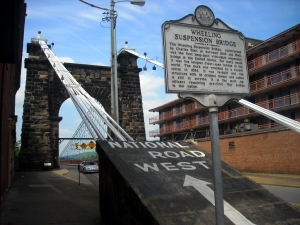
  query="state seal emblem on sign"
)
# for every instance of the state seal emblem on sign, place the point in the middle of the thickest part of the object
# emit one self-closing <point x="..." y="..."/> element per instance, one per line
<point x="204" y="15"/>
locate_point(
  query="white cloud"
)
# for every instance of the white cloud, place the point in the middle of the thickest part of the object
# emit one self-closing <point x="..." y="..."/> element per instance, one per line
<point x="90" y="15"/>
<point x="20" y="99"/>
<point x="130" y="12"/>
<point x="66" y="59"/>
<point x="20" y="94"/>
<point x="153" y="92"/>
<point x="150" y="84"/>
<point x="150" y="104"/>
<point x="99" y="64"/>
<point x="65" y="132"/>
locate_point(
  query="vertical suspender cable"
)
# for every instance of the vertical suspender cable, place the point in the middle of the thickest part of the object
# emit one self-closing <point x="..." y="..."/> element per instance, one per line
<point x="83" y="102"/>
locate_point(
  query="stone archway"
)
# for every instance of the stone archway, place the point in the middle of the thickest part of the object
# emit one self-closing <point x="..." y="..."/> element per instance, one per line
<point x="44" y="95"/>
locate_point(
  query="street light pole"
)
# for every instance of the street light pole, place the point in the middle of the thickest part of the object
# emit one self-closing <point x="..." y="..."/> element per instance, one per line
<point x="113" y="58"/>
<point x="114" y="63"/>
<point x="114" y="66"/>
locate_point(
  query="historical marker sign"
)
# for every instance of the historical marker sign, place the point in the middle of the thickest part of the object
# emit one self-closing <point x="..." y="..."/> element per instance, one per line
<point x="204" y="56"/>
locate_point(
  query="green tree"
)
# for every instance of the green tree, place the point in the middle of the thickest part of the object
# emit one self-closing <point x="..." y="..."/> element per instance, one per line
<point x="17" y="148"/>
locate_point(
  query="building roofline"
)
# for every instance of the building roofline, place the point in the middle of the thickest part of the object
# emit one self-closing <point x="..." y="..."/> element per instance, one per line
<point x="273" y="39"/>
<point x="254" y="39"/>
<point x="168" y="104"/>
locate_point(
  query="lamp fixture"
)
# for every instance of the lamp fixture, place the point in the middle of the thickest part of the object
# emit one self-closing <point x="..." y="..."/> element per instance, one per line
<point x="154" y="68"/>
<point x="138" y="2"/>
<point x="134" y="2"/>
<point x="145" y="67"/>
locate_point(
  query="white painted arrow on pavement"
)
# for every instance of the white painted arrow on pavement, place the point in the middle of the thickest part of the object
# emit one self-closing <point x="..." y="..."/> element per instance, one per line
<point x="235" y="216"/>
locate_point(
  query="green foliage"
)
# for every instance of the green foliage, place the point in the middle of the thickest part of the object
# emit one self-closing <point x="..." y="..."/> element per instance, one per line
<point x="82" y="155"/>
<point x="17" y="148"/>
<point x="87" y="155"/>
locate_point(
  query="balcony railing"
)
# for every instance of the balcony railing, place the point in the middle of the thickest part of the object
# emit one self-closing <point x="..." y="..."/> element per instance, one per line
<point x="234" y="113"/>
<point x="190" y="108"/>
<point x="273" y="56"/>
<point x="227" y="115"/>
<point x="271" y="125"/>
<point x="277" y="79"/>
<point x="205" y="133"/>
<point x="280" y="102"/>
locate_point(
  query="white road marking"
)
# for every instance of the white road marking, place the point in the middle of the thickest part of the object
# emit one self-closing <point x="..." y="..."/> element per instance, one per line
<point x="235" y="216"/>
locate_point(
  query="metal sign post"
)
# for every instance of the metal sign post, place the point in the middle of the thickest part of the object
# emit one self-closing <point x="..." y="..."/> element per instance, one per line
<point x="217" y="169"/>
<point x="213" y="102"/>
<point x="79" y="167"/>
<point x="205" y="60"/>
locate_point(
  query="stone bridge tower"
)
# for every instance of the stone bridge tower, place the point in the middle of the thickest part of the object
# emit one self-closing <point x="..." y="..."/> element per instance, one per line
<point x="44" y="94"/>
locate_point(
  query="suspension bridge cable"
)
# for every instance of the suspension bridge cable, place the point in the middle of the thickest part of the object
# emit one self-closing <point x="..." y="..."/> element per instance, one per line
<point x="87" y="107"/>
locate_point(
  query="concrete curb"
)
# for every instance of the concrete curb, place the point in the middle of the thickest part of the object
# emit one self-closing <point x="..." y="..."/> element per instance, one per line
<point x="286" y="180"/>
<point x="61" y="171"/>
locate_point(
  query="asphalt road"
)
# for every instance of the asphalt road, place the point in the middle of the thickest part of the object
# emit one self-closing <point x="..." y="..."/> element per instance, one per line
<point x="85" y="178"/>
<point x="288" y="194"/>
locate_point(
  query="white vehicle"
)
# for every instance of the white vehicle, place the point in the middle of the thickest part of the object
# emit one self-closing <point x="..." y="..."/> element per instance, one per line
<point x="88" y="167"/>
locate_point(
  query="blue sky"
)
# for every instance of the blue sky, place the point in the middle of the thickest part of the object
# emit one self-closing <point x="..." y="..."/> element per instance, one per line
<point x="79" y="36"/>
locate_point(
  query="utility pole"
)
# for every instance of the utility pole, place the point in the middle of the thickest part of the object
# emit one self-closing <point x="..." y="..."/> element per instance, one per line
<point x="114" y="65"/>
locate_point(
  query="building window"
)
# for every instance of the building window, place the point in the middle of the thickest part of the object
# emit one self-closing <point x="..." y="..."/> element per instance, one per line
<point x="231" y="145"/>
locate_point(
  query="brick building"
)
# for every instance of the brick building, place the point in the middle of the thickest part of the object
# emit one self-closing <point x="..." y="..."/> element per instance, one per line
<point x="274" y="78"/>
<point x="11" y="44"/>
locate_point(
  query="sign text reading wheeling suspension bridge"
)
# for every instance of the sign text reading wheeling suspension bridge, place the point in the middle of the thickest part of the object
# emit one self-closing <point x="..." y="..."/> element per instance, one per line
<point x="203" y="60"/>
<point x="209" y="37"/>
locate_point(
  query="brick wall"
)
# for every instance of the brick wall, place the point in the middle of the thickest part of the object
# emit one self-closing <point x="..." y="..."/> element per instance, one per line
<point x="7" y="126"/>
<point x="268" y="152"/>
<point x="5" y="76"/>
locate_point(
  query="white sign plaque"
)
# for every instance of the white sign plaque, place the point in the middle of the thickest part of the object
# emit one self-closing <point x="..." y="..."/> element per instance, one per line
<point x="201" y="59"/>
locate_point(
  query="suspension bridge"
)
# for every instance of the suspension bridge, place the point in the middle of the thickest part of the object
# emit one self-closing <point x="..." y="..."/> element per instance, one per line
<point x="96" y="123"/>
